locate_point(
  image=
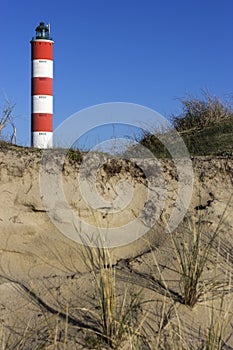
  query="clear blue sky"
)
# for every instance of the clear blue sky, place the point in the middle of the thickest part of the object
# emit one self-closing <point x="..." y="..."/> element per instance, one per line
<point x="147" y="52"/>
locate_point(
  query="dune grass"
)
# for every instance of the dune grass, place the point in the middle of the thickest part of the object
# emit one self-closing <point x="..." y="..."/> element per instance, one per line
<point x="117" y="316"/>
<point x="192" y="254"/>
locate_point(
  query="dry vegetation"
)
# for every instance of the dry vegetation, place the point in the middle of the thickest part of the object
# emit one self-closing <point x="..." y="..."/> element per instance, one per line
<point x="205" y="124"/>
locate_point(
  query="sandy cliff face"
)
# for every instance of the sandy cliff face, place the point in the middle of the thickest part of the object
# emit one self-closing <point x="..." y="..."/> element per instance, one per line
<point x="26" y="227"/>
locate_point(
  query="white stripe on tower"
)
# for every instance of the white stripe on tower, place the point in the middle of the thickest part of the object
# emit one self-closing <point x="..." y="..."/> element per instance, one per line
<point x="42" y="88"/>
<point x="42" y="68"/>
<point x="42" y="104"/>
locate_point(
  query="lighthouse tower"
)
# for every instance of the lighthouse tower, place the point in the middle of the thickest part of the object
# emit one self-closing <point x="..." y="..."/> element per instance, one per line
<point x="42" y="88"/>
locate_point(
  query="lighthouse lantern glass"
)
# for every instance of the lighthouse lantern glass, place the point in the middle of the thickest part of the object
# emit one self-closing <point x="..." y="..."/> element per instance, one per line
<point x="42" y="31"/>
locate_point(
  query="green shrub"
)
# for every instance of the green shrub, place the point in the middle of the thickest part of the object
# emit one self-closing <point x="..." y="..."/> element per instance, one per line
<point x="205" y="125"/>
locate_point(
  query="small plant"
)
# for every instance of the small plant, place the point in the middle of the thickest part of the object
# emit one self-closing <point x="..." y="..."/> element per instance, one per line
<point x="7" y="119"/>
<point x="74" y="155"/>
<point x="192" y="255"/>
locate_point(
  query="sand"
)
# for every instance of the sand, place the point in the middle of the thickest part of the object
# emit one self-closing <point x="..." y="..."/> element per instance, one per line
<point x="48" y="293"/>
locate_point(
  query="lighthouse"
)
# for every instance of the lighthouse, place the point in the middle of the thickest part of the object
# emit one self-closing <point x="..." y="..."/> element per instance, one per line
<point x="42" y="88"/>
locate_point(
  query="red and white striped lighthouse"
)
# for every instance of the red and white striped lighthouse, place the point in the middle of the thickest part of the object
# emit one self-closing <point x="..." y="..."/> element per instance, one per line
<point x="42" y="88"/>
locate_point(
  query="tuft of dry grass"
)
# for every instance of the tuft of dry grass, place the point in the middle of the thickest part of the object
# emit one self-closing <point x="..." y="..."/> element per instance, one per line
<point x="192" y="255"/>
<point x="117" y="317"/>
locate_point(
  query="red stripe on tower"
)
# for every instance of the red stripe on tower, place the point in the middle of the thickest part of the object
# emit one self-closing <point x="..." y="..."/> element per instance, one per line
<point x="42" y="88"/>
